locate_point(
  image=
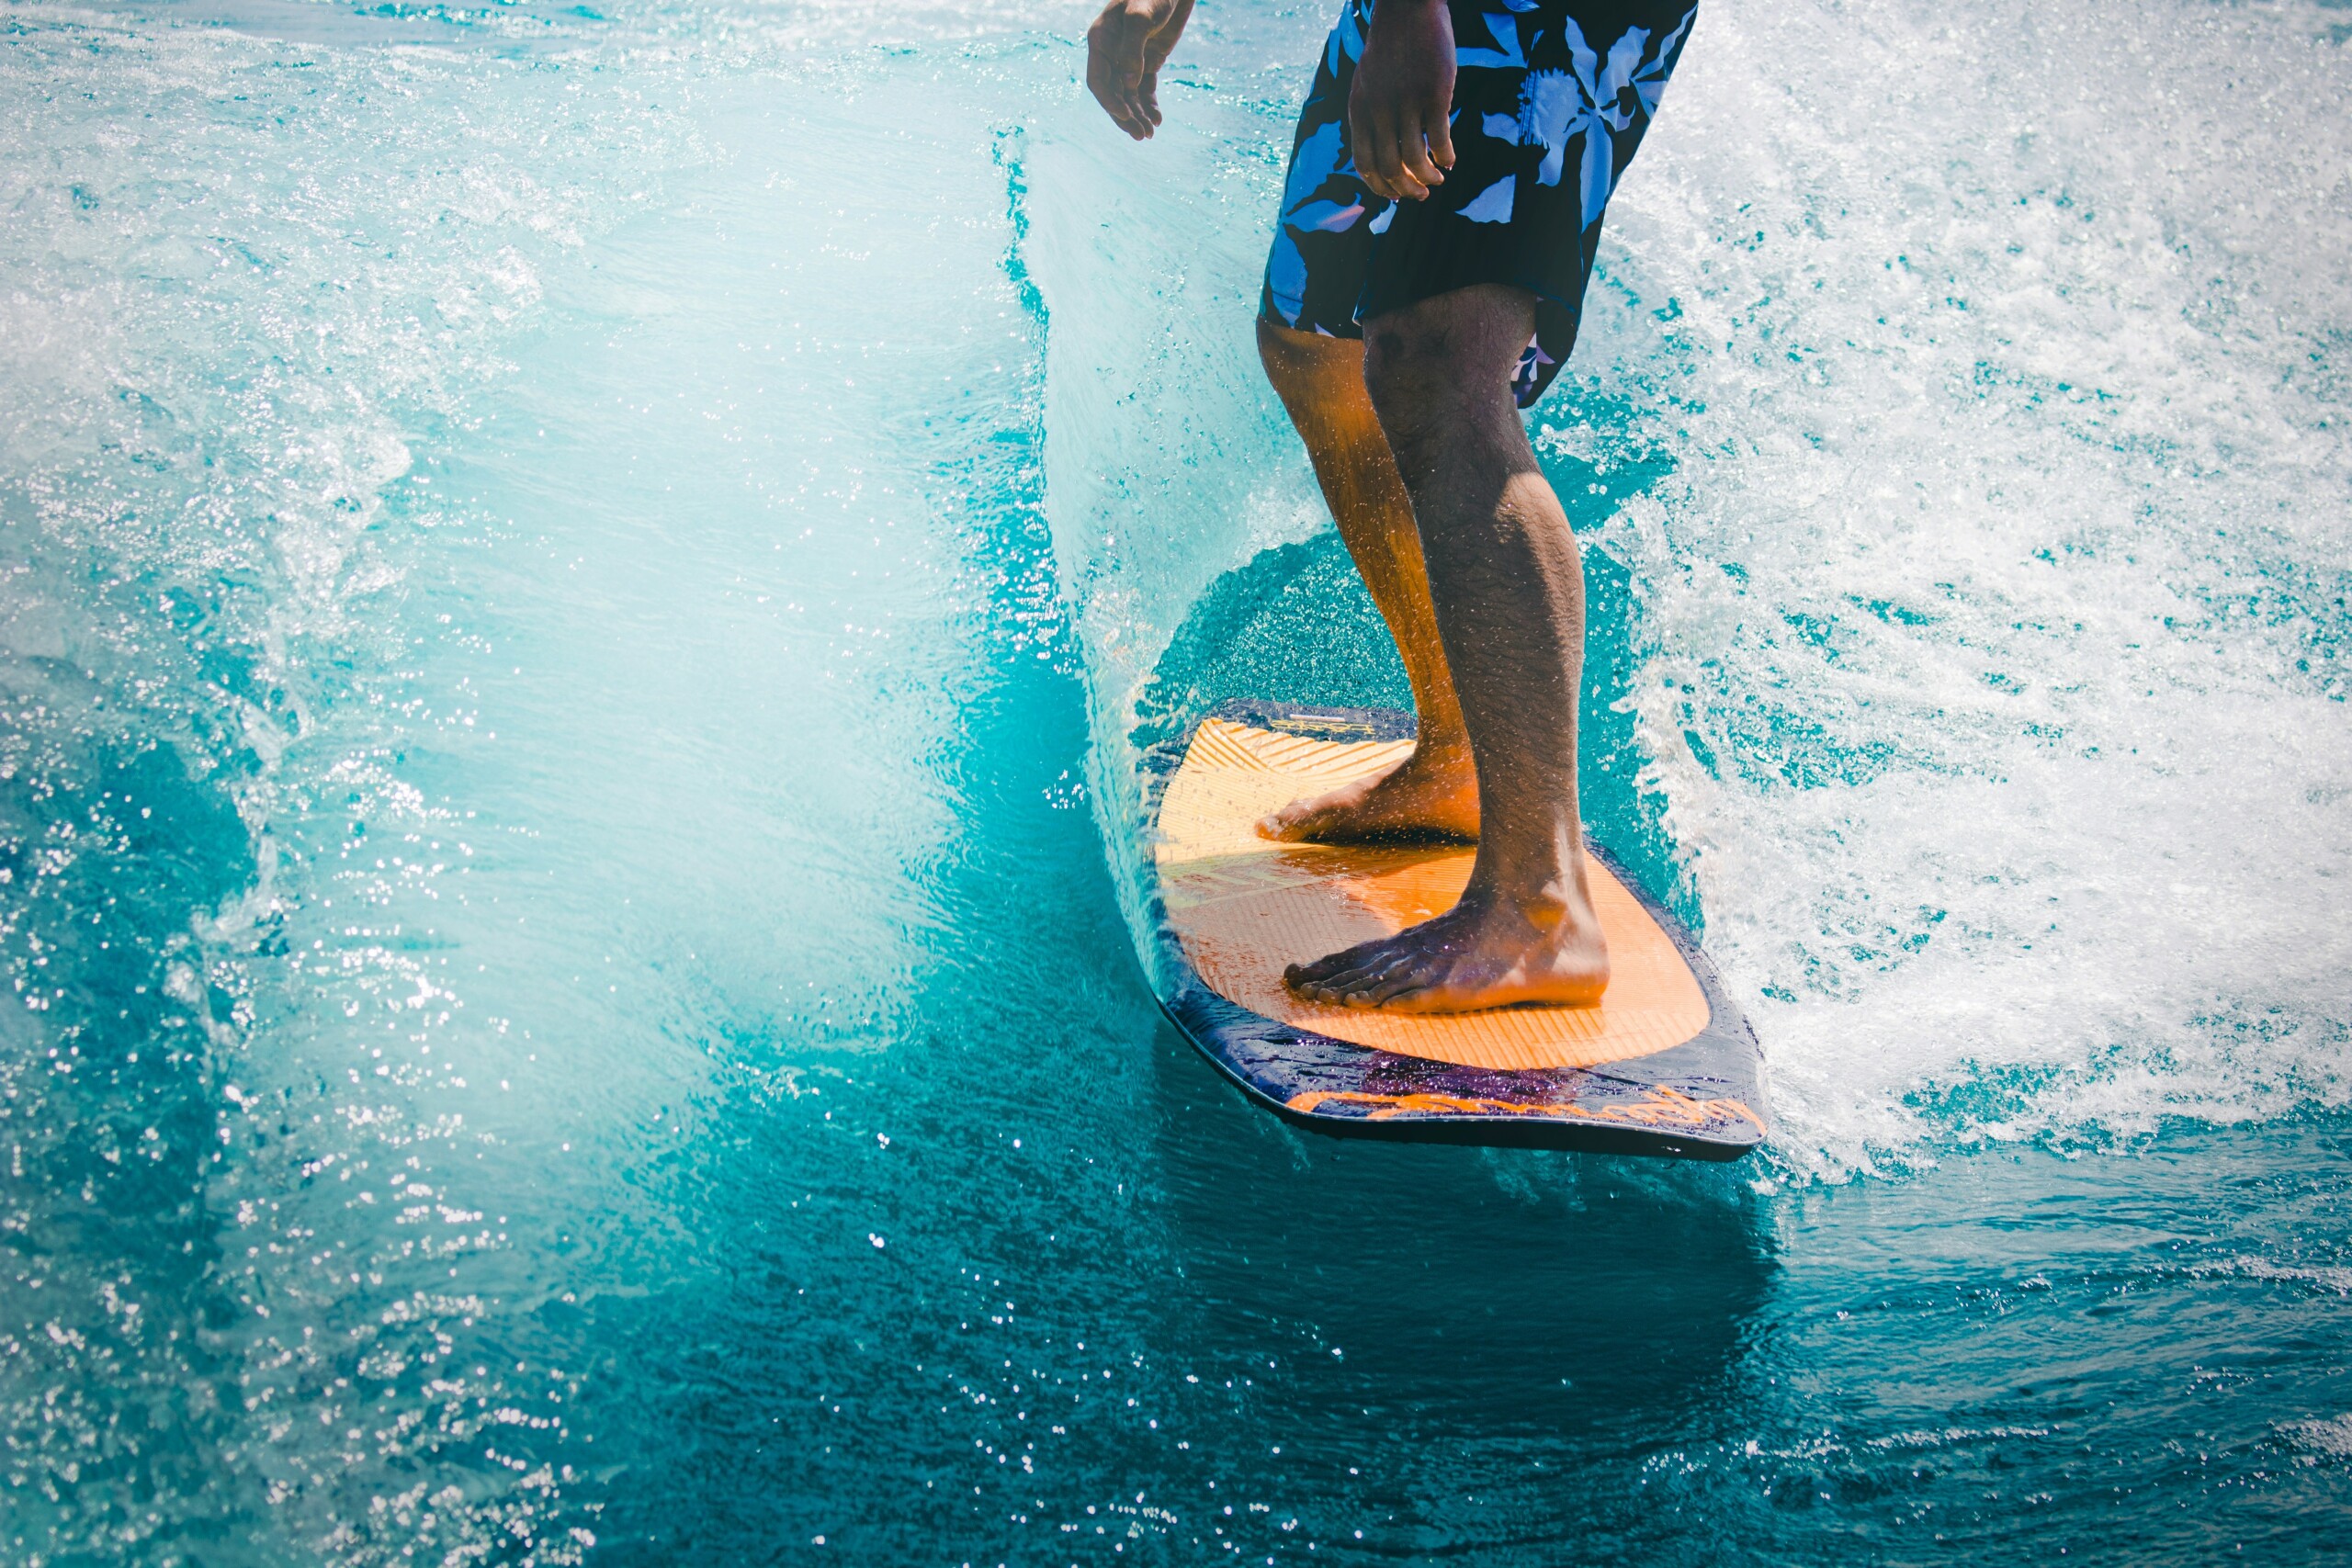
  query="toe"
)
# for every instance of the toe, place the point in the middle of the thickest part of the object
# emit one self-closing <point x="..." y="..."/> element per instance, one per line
<point x="1323" y="968"/>
<point x="1363" y="970"/>
<point x="1418" y="997"/>
<point x="1329" y="993"/>
<point x="1326" y="993"/>
<point x="1279" y="826"/>
<point x="1362" y="987"/>
<point x="1316" y="973"/>
<point x="1392" y="987"/>
<point x="1332" y="967"/>
<point x="1334" y="981"/>
<point x="1410" y="975"/>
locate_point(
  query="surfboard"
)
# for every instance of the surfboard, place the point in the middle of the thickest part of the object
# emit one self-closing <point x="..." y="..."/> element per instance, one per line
<point x="1663" y="1065"/>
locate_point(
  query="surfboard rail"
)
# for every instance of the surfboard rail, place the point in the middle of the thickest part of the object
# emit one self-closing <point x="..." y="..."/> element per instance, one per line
<point x="1702" y="1098"/>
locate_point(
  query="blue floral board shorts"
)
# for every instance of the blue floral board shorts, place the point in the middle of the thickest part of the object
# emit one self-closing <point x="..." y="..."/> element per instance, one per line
<point x="1550" y="101"/>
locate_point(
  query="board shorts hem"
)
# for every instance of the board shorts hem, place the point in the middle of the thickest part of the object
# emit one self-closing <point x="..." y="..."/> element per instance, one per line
<point x="1567" y="311"/>
<point x="1544" y="123"/>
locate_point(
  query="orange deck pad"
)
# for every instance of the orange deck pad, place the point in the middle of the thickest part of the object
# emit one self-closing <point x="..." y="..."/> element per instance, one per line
<point x="1245" y="907"/>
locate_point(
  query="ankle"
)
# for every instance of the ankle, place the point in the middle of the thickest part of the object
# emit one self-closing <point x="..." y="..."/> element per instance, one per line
<point x="1441" y="745"/>
<point x="1550" y="900"/>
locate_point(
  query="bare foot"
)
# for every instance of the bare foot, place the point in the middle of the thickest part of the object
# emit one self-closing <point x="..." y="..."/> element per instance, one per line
<point x="1486" y="954"/>
<point x="1433" y="793"/>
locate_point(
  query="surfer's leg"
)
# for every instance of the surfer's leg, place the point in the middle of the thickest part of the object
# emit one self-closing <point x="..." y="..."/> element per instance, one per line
<point x="1433" y="791"/>
<point x="1313" y="351"/>
<point x="1508" y="594"/>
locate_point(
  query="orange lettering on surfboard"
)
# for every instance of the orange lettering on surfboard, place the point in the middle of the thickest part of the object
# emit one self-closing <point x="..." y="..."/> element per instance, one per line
<point x="1665" y="1107"/>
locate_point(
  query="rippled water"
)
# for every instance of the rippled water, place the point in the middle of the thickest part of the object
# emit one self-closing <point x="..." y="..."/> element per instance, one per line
<point x="582" y="583"/>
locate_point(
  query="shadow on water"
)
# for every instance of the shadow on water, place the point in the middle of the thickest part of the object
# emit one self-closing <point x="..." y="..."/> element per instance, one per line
<point x="1467" y="1329"/>
<point x="1481" y="1280"/>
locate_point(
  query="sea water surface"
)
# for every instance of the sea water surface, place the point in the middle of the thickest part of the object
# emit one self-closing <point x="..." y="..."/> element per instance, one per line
<point x="582" y="589"/>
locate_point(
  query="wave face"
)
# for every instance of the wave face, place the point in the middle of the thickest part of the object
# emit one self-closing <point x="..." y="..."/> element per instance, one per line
<point x="580" y="586"/>
<point x="1958" y="441"/>
<point x="405" y="416"/>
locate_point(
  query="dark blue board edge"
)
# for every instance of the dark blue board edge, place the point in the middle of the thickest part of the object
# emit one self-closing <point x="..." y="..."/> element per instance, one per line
<point x="1672" y="1104"/>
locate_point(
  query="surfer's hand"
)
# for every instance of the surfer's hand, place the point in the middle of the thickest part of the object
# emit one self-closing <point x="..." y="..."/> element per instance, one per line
<point x="1399" y="109"/>
<point x="1124" y="49"/>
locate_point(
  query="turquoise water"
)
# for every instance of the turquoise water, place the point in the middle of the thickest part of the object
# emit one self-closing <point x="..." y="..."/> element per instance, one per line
<point x="583" y="584"/>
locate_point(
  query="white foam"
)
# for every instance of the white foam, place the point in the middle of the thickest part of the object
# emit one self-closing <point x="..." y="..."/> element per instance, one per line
<point x="1993" y="617"/>
<point x="2010" y="384"/>
<point x="2331" y="1438"/>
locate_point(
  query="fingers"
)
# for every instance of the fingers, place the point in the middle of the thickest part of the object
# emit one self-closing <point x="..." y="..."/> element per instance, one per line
<point x="1124" y="49"/>
<point x="1114" y="69"/>
<point x="1380" y="162"/>
<point x="1147" y="95"/>
<point x="1361" y="142"/>
<point x="1440" y="128"/>
<point x="1394" y="159"/>
<point x="1415" y="161"/>
<point x="1127" y="83"/>
<point x="1158" y="47"/>
<point x="1384" y="162"/>
<point x="1402" y="155"/>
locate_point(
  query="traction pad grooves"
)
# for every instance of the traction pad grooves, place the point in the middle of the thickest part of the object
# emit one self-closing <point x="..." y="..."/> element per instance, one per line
<point x="1684" y="1074"/>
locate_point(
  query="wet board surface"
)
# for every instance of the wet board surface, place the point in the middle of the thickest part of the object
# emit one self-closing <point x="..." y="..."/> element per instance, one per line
<point x="1663" y="1065"/>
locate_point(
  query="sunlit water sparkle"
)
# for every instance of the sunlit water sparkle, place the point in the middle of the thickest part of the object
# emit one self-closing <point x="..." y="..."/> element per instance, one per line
<point x="583" y="587"/>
